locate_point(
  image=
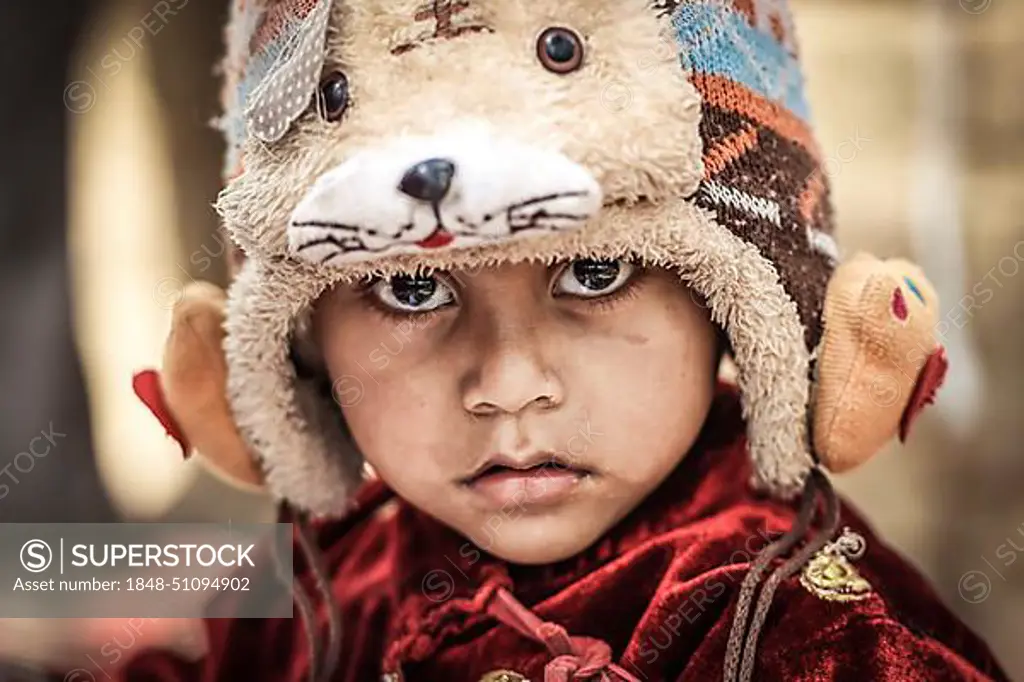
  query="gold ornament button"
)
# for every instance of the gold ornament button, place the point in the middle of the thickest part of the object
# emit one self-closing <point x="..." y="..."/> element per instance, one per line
<point x="503" y="676"/>
<point x="831" y="575"/>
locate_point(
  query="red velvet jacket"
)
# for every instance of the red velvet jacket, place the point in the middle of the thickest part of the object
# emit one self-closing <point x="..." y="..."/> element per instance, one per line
<point x="655" y="596"/>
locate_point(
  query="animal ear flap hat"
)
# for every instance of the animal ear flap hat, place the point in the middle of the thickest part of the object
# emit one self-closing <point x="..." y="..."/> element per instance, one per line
<point x="377" y="137"/>
<point x="382" y="137"/>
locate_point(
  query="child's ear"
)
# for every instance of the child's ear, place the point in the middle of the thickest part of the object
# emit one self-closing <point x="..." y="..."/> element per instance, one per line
<point x="879" y="362"/>
<point x="192" y="387"/>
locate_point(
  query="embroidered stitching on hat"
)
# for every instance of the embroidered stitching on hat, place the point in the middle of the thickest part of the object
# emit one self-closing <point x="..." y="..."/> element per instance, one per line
<point x="452" y="18"/>
<point x="665" y="8"/>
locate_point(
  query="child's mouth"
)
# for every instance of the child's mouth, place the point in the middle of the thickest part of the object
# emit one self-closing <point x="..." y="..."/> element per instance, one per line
<point x="543" y="480"/>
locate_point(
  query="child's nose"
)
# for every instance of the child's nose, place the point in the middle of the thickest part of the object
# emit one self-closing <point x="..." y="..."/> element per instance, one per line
<point x="509" y="379"/>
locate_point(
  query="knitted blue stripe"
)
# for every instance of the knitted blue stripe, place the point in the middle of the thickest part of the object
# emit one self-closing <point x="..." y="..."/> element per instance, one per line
<point x="718" y="41"/>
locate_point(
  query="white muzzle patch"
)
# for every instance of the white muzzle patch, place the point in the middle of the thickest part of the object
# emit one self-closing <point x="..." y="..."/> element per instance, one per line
<point x="426" y="193"/>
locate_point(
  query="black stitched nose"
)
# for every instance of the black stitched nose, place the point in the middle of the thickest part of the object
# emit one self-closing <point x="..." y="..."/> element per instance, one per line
<point x="428" y="180"/>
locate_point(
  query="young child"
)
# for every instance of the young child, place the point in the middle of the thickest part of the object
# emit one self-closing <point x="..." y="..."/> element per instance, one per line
<point x="495" y="250"/>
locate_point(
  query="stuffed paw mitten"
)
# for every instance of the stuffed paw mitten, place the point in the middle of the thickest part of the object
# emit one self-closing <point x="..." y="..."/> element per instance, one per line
<point x="189" y="395"/>
<point x="879" y="362"/>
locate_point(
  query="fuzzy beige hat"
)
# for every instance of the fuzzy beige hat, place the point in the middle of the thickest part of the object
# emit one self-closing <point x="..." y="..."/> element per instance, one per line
<point x="373" y="137"/>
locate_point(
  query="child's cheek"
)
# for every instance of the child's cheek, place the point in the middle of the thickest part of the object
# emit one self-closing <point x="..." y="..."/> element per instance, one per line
<point x="647" y="387"/>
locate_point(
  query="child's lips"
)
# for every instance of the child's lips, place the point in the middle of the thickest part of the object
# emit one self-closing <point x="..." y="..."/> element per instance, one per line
<point x="549" y="482"/>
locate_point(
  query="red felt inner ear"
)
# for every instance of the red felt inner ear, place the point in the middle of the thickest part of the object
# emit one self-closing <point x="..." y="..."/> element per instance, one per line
<point x="928" y="382"/>
<point x="899" y="305"/>
<point x="147" y="387"/>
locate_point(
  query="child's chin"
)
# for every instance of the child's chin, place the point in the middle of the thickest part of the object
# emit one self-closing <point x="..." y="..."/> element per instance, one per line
<point x="541" y="538"/>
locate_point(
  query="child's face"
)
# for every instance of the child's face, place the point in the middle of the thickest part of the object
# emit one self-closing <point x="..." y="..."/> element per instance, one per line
<point x="529" y="407"/>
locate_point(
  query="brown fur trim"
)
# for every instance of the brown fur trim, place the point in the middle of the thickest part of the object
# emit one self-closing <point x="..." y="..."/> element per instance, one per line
<point x="310" y="461"/>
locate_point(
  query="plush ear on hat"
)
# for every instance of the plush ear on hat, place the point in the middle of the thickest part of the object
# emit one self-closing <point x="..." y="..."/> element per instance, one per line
<point x="189" y="395"/>
<point x="879" y="362"/>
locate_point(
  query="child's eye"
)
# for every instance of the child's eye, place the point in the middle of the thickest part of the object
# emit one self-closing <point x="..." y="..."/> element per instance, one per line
<point x="413" y="293"/>
<point x="592" y="277"/>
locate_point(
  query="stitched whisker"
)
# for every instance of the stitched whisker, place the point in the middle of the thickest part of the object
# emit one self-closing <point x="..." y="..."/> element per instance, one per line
<point x="558" y="216"/>
<point x="328" y="225"/>
<point x="466" y="223"/>
<point x="546" y="197"/>
<point x="345" y="244"/>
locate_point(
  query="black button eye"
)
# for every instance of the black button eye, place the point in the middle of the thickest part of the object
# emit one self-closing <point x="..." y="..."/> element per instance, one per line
<point x="560" y="50"/>
<point x="333" y="97"/>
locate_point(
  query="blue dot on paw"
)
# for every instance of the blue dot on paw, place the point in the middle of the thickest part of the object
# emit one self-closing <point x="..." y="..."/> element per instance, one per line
<point x="913" y="288"/>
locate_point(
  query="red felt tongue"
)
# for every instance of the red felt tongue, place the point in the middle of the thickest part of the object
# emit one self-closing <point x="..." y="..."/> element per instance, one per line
<point x="928" y="382"/>
<point x="438" y="238"/>
<point x="147" y="387"/>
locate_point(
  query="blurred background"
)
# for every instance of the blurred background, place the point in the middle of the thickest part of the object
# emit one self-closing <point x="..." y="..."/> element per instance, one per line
<point x="105" y="214"/>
